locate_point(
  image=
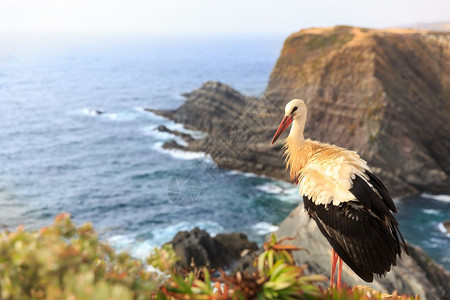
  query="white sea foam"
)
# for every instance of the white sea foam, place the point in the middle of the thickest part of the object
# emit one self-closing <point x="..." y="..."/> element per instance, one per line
<point x="121" y="116"/>
<point x="164" y="136"/>
<point x="284" y="191"/>
<point x="431" y="211"/>
<point x="246" y="174"/>
<point x="442" y="229"/>
<point x="91" y="112"/>
<point x="443" y="198"/>
<point x="180" y="154"/>
<point x="142" y="248"/>
<point x="149" y="114"/>
<point x="271" y="189"/>
<point x="264" y="228"/>
<point x="120" y="240"/>
<point x="194" y="133"/>
<point x="173" y="125"/>
<point x="125" y="115"/>
<point x="291" y="196"/>
<point x="112" y="117"/>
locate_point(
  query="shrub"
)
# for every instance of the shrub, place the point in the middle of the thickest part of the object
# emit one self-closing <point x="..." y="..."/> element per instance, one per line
<point x="63" y="261"/>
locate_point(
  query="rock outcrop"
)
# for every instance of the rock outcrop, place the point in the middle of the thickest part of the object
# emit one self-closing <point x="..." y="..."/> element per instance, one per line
<point x="186" y="137"/>
<point x="447" y="225"/>
<point x="239" y="130"/>
<point x="198" y="247"/>
<point x="416" y="274"/>
<point x="383" y="93"/>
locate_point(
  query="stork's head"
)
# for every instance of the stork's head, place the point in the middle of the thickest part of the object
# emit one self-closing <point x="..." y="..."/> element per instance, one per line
<point x="294" y="110"/>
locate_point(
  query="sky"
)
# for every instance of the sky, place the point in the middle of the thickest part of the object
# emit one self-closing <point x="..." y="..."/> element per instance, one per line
<point x="209" y="16"/>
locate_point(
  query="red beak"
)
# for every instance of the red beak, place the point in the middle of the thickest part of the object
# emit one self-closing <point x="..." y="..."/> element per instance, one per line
<point x="287" y="120"/>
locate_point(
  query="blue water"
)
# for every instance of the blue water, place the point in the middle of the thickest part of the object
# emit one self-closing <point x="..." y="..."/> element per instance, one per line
<point x="110" y="169"/>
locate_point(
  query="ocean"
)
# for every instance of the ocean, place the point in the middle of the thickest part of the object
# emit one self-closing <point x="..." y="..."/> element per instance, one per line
<point x="58" y="154"/>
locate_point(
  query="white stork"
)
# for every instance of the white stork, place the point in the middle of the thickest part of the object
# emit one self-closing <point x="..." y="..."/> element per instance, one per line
<point x="349" y="204"/>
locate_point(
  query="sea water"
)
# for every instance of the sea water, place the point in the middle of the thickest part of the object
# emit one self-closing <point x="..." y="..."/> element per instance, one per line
<point x="75" y="138"/>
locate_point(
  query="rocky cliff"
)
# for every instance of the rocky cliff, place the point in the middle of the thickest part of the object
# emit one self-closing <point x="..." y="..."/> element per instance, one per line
<point x="239" y="128"/>
<point x="383" y="93"/>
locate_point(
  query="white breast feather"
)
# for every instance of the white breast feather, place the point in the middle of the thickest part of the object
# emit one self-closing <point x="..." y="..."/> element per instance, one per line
<point x="329" y="180"/>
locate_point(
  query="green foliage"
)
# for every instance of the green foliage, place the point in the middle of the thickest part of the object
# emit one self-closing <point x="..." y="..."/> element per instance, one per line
<point x="277" y="277"/>
<point x="163" y="259"/>
<point x="283" y="279"/>
<point x="63" y="261"/>
<point x="320" y="41"/>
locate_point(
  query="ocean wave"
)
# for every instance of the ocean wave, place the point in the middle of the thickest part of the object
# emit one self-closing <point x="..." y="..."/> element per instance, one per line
<point x="246" y="174"/>
<point x="270" y="189"/>
<point x="125" y="115"/>
<point x="173" y="125"/>
<point x="284" y="191"/>
<point x="178" y="153"/>
<point x="443" y="198"/>
<point x="112" y="117"/>
<point x="160" y="135"/>
<point x="292" y="197"/>
<point x="193" y="133"/>
<point x="431" y="211"/>
<point x="442" y="229"/>
<point x="91" y="112"/>
<point x="140" y="248"/>
<point x="150" y="115"/>
<point x="264" y="228"/>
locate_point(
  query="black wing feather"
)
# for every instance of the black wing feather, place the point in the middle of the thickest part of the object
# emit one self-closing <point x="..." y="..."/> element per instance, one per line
<point x="363" y="232"/>
<point x="379" y="186"/>
<point x="380" y="206"/>
<point x="367" y="196"/>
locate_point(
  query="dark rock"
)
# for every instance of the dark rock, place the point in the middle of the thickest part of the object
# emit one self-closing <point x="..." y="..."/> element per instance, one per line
<point x="199" y="247"/>
<point x="173" y="145"/>
<point x="447" y="225"/>
<point x="163" y="128"/>
<point x="186" y="137"/>
<point x="235" y="243"/>
<point x="208" y="108"/>
<point x="246" y="264"/>
<point x="94" y="112"/>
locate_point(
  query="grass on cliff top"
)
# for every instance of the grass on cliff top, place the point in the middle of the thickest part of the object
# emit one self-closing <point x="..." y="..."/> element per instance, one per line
<point x="337" y="38"/>
<point x="63" y="261"/>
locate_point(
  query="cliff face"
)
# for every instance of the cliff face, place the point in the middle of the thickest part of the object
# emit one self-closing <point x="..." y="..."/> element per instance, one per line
<point x="385" y="94"/>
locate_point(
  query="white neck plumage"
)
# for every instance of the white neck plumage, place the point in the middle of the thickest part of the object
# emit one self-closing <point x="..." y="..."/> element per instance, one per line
<point x="297" y="129"/>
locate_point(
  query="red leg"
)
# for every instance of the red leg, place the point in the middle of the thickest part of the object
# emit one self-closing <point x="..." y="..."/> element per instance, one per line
<point x="334" y="257"/>
<point x="339" y="273"/>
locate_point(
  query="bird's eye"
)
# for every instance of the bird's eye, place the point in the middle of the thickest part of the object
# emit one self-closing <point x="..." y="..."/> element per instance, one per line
<point x="294" y="109"/>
